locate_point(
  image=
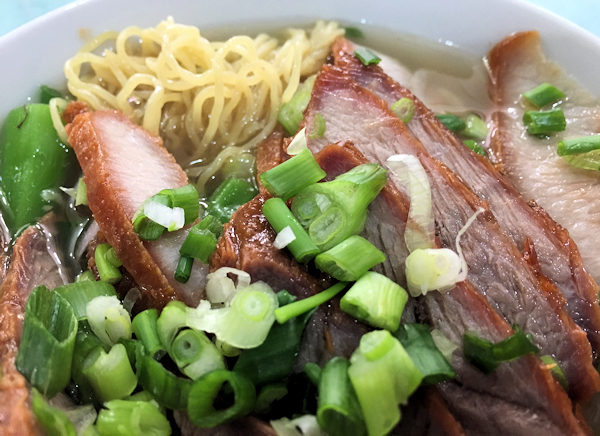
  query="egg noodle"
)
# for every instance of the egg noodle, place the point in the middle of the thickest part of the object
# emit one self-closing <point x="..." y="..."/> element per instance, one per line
<point x="209" y="101"/>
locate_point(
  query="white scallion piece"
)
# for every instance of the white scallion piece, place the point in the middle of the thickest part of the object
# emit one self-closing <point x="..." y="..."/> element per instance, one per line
<point x="298" y="143"/>
<point x="172" y="218"/>
<point x="108" y="319"/>
<point x="284" y="238"/>
<point x="220" y="289"/>
<point x="439" y="269"/>
<point x="305" y="425"/>
<point x="420" y="229"/>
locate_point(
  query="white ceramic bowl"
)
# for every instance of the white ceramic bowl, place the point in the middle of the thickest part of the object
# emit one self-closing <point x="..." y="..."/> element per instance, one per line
<point x="35" y="53"/>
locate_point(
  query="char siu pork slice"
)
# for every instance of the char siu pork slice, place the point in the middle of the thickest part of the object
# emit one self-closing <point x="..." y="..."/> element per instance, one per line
<point x="123" y="165"/>
<point x="569" y="194"/>
<point x="496" y="267"/>
<point x="558" y="255"/>
<point x="247" y="244"/>
<point x="33" y="264"/>
<point x="532" y="399"/>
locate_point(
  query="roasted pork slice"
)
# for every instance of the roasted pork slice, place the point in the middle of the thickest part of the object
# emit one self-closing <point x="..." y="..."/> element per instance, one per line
<point x="496" y="267"/>
<point x="558" y="255"/>
<point x="570" y="195"/>
<point x="247" y="240"/>
<point x="33" y="263"/>
<point x="247" y="244"/>
<point x="532" y="391"/>
<point x="123" y="165"/>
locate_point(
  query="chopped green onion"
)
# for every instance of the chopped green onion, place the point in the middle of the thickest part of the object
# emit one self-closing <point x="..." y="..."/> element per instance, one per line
<point x="145" y="329"/>
<point x="203" y="408"/>
<point x="81" y="193"/>
<point x="544" y="122"/>
<point x="446" y="347"/>
<point x="284" y="238"/>
<point x="555" y="370"/>
<point x="319" y="127"/>
<point x="313" y="372"/>
<point x="110" y="374"/>
<point x="54" y="421"/>
<point x="376" y="300"/>
<point x="418" y="343"/>
<point x="85" y="276"/>
<point x="474" y="146"/>
<point x="126" y="418"/>
<point x="404" y="109"/>
<point x="211" y="223"/>
<point x="581" y="152"/>
<point x="268" y="395"/>
<point x="186" y="198"/>
<point x="338" y="413"/>
<point x="184" y="269"/>
<point x="147" y="229"/>
<point x="199" y="244"/>
<point x="544" y="94"/>
<point x="108" y="319"/>
<point x="302" y="425"/>
<point x="133" y="348"/>
<point x="298" y="144"/>
<point x="366" y="56"/>
<point x="274" y="359"/>
<point x="228" y="197"/>
<point x="85" y="342"/>
<point x="420" y="226"/>
<point x="383" y="375"/>
<point x="112" y="258"/>
<point x="350" y="259"/>
<point x="47" y="341"/>
<point x="452" y="122"/>
<point x="353" y="32"/>
<point x="227" y="350"/>
<point x="332" y="211"/>
<point x="172" y="318"/>
<point x="106" y="270"/>
<point x="79" y="294"/>
<point x="279" y="216"/>
<point x="171" y="218"/>
<point x="245" y="323"/>
<point x="292" y="112"/>
<point x="429" y="269"/>
<point x="475" y="127"/>
<point x="290" y="177"/>
<point x="165" y="387"/>
<point x="195" y="354"/>
<point x="486" y="355"/>
<point x="299" y="307"/>
<point x="580" y="145"/>
<point x="220" y="289"/>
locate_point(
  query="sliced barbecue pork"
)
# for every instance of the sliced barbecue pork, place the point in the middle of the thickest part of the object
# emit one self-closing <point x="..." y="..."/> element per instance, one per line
<point x="558" y="255"/>
<point x="531" y="401"/>
<point x="496" y="267"/>
<point x="33" y="264"/>
<point x="247" y="244"/>
<point x="123" y="165"/>
<point x="569" y="194"/>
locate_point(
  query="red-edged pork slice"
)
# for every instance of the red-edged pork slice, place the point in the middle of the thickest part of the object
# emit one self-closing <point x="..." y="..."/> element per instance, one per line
<point x="496" y="267"/>
<point x="247" y="241"/>
<point x="32" y="265"/>
<point x="558" y="255"/>
<point x="532" y="400"/>
<point x="569" y="194"/>
<point x="123" y="165"/>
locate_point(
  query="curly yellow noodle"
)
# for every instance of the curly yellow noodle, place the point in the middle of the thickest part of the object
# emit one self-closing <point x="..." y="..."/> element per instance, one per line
<point x="209" y="101"/>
